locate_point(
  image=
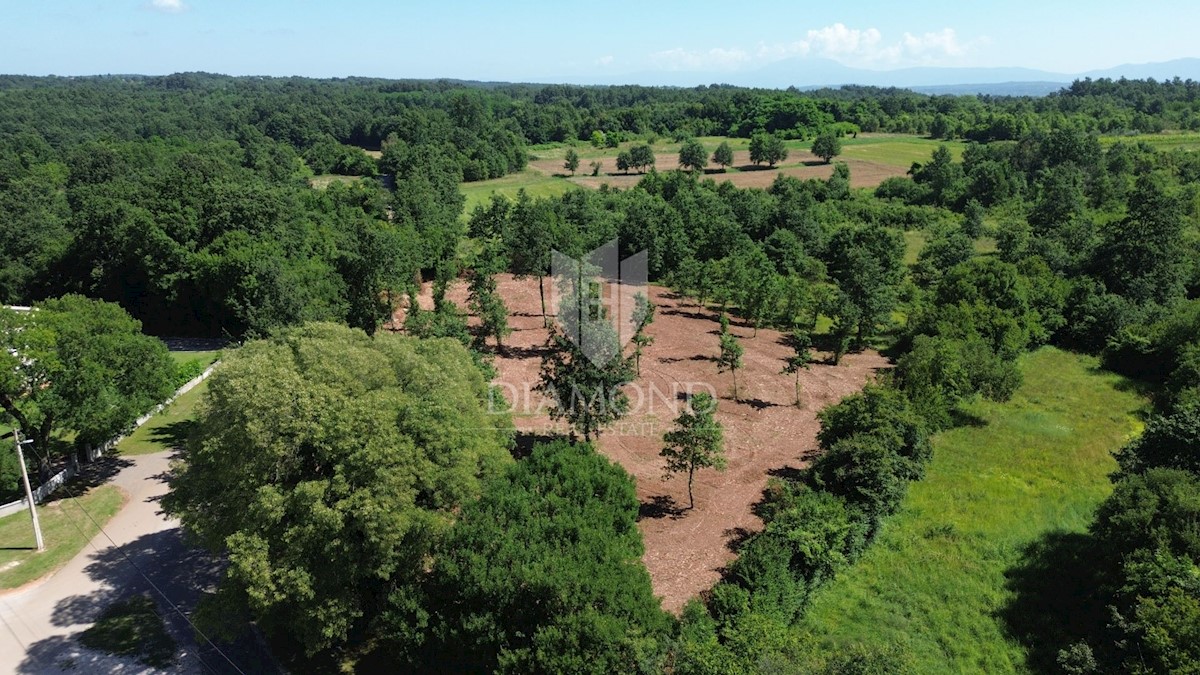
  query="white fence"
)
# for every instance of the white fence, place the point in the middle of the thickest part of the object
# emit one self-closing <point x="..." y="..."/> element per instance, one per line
<point x="54" y="482"/>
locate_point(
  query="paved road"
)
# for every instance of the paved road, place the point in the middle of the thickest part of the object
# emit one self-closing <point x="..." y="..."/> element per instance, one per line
<point x="38" y="626"/>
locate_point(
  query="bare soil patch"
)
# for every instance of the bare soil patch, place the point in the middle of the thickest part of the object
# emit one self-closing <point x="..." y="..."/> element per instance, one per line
<point x="765" y="433"/>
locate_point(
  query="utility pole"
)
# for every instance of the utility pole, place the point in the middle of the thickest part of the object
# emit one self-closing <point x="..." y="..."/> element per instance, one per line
<point x="37" y="528"/>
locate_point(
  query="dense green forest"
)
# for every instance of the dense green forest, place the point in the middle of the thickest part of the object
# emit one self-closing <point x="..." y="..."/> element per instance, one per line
<point x="359" y="537"/>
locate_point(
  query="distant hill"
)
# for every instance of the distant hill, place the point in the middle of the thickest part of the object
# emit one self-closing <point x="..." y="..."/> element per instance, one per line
<point x="809" y="73"/>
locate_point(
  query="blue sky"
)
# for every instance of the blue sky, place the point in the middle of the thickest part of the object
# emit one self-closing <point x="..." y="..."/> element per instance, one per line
<point x="570" y="41"/>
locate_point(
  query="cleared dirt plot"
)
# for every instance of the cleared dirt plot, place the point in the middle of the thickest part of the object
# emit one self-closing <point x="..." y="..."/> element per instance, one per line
<point x="764" y="433"/>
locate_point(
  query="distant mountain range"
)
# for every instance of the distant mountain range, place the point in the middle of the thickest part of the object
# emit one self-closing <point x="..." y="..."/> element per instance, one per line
<point x="811" y="73"/>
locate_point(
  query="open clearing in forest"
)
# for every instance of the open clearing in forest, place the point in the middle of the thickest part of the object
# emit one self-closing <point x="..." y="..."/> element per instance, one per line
<point x="942" y="579"/>
<point x="764" y="434"/>
<point x="872" y="158"/>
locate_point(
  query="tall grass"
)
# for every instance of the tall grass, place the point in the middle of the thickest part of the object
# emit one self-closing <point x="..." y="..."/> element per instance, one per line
<point x="935" y="582"/>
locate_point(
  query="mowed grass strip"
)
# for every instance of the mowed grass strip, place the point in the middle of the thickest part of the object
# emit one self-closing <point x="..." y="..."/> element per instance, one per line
<point x="168" y="429"/>
<point x="65" y="529"/>
<point x="205" y="357"/>
<point x="934" y="583"/>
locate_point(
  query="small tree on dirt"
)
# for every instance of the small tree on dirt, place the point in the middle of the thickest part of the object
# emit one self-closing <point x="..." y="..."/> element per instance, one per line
<point x="801" y="360"/>
<point x="586" y="391"/>
<point x="484" y="301"/>
<point x="643" y="315"/>
<point x="696" y="442"/>
<point x="572" y="163"/>
<point x="723" y="155"/>
<point x="692" y="155"/>
<point x="827" y="146"/>
<point x="730" y="357"/>
<point x="596" y="166"/>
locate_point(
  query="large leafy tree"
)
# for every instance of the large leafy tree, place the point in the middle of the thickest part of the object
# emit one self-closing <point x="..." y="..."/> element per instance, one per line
<point x="767" y="148"/>
<point x="78" y="365"/>
<point x="827" y="146"/>
<point x="692" y="155"/>
<point x="544" y="574"/>
<point x="325" y="465"/>
<point x="696" y="442"/>
<point x="723" y="155"/>
<point x="641" y="157"/>
<point x="867" y="262"/>
<point x="1142" y="256"/>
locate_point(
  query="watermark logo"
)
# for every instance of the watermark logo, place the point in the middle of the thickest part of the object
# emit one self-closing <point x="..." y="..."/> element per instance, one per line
<point x="593" y="298"/>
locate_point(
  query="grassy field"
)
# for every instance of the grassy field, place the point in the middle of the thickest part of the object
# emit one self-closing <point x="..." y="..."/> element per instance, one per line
<point x="536" y="184"/>
<point x="204" y="357"/>
<point x="549" y="179"/>
<point x="166" y="430"/>
<point x="915" y="240"/>
<point x="65" y="530"/>
<point x="325" y="180"/>
<point x="1163" y="141"/>
<point x="895" y="149"/>
<point x="935" y="581"/>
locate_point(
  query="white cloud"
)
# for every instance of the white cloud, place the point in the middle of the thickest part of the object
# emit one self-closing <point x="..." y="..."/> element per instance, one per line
<point x="849" y="46"/>
<point x="173" y="6"/>
<point x="604" y="60"/>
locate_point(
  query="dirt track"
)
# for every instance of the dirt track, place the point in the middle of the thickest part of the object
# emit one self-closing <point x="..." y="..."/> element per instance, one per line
<point x="764" y="433"/>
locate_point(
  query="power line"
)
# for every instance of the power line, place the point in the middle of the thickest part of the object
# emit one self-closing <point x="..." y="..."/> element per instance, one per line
<point x="75" y="499"/>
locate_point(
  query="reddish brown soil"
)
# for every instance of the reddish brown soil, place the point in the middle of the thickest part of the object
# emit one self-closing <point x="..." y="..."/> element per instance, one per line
<point x="764" y="433"/>
<point x="863" y="174"/>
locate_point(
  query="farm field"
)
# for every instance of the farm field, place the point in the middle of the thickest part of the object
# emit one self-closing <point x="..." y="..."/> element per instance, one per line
<point x="764" y="433"/>
<point x="871" y="158"/>
<point x="937" y="580"/>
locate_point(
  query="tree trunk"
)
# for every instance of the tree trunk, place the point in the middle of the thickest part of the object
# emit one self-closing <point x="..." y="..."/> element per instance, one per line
<point x="735" y="390"/>
<point x="542" y="295"/>
<point x="691" y="499"/>
<point x="798" y="389"/>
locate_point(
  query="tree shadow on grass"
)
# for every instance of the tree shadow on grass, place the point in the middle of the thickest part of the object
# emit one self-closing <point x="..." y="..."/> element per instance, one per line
<point x="91" y="475"/>
<point x="173" y="436"/>
<point x="1055" y="598"/>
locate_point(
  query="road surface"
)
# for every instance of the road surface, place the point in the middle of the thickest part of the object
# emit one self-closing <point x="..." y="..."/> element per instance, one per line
<point x="38" y="625"/>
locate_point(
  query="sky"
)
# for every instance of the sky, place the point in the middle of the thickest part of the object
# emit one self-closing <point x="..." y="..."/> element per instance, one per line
<point x="566" y="41"/>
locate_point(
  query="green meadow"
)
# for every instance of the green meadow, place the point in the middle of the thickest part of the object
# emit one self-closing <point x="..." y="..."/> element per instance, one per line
<point x="935" y="582"/>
